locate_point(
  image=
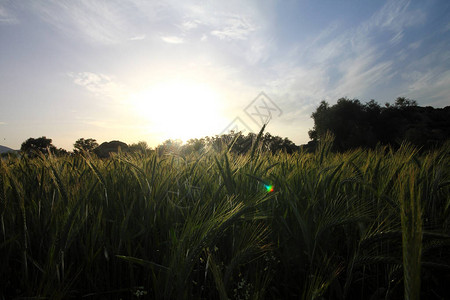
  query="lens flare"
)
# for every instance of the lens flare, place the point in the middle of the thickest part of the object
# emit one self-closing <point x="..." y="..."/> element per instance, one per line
<point x="269" y="188"/>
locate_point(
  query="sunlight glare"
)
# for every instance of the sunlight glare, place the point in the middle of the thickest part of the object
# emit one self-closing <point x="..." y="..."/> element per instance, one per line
<point x="179" y="109"/>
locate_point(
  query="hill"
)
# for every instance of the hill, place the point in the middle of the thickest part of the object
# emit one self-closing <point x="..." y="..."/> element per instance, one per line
<point x="4" y="149"/>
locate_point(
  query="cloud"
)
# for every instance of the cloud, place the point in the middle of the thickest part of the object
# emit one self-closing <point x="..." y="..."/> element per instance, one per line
<point x="430" y="88"/>
<point x="99" y="84"/>
<point x="138" y="38"/>
<point x="427" y="79"/>
<point x="7" y="17"/>
<point x="396" y="16"/>
<point x="358" y="62"/>
<point x="248" y="26"/>
<point x="235" y="27"/>
<point x="353" y="62"/>
<point x="104" y="22"/>
<point x="119" y="21"/>
<point x="94" y="21"/>
<point x="172" y="39"/>
<point x="191" y="24"/>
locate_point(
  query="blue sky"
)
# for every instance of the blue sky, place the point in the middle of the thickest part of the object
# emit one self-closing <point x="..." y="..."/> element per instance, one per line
<point x="135" y="70"/>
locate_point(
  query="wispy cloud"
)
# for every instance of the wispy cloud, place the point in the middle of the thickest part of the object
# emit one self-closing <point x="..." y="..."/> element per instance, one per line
<point x="247" y="25"/>
<point x="118" y="21"/>
<point x="172" y="39"/>
<point x="106" y="22"/>
<point x="99" y="84"/>
<point x="7" y="17"/>
<point x="352" y="62"/>
<point x="428" y="87"/>
<point x="427" y="79"/>
<point x="397" y="16"/>
<point x="138" y="38"/>
<point x="235" y="28"/>
<point x="189" y="25"/>
<point x="95" y="21"/>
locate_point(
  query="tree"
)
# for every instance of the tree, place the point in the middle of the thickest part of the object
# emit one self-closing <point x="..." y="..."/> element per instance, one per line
<point x="277" y="143"/>
<point x="87" y="145"/>
<point x="33" y="146"/>
<point x="140" y="146"/>
<point x="106" y="148"/>
<point x="347" y="120"/>
<point x="402" y="102"/>
<point x="169" y="146"/>
<point x="194" y="145"/>
<point x="364" y="125"/>
<point x="320" y="121"/>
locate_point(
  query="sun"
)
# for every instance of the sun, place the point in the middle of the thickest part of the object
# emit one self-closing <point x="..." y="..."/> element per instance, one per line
<point x="180" y="109"/>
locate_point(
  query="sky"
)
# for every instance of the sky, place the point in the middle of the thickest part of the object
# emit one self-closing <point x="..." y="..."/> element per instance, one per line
<point x="135" y="70"/>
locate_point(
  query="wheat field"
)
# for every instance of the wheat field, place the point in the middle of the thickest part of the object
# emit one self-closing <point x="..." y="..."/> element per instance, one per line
<point x="217" y="225"/>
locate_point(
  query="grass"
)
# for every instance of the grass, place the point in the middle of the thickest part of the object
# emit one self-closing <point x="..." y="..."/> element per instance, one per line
<point x="355" y="225"/>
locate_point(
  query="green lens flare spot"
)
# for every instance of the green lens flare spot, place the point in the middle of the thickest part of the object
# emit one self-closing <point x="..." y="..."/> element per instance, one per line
<point x="269" y="188"/>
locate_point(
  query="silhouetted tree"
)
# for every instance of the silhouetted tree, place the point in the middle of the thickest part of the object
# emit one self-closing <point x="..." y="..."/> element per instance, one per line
<point x="140" y="146"/>
<point x="402" y="102"/>
<point x="277" y="143"/>
<point x="356" y="125"/>
<point x="194" y="145"/>
<point x="87" y="145"/>
<point x="236" y="142"/>
<point x="347" y="120"/>
<point x="33" y="146"/>
<point x="169" y="146"/>
<point x="106" y="148"/>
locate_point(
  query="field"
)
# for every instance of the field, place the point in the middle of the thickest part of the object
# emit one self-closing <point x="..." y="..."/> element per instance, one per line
<point x="365" y="224"/>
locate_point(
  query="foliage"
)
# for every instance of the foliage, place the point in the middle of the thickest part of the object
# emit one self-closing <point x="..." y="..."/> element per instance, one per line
<point x="141" y="147"/>
<point x="33" y="147"/>
<point x="84" y="145"/>
<point x="235" y="142"/>
<point x="202" y="225"/>
<point x="107" y="148"/>
<point x="365" y="125"/>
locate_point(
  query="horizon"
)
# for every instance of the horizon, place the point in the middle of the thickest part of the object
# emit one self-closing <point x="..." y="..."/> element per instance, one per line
<point x="136" y="71"/>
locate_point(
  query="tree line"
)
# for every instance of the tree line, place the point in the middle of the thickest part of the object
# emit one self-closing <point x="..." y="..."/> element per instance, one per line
<point x="236" y="141"/>
<point x="356" y="125"/>
<point x="351" y="123"/>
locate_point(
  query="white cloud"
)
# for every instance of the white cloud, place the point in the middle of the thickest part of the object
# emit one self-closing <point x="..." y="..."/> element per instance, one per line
<point x="7" y="17"/>
<point x="138" y="38"/>
<point x="426" y="79"/>
<point x="429" y="87"/>
<point x="99" y="84"/>
<point x="235" y="27"/>
<point x="248" y="25"/>
<point x="105" y="22"/>
<point x="350" y="63"/>
<point x="415" y="45"/>
<point x="397" y="38"/>
<point x="94" y="21"/>
<point x="172" y="39"/>
<point x="112" y="22"/>
<point x="191" y="24"/>
<point x="396" y="16"/>
<point x="361" y="75"/>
